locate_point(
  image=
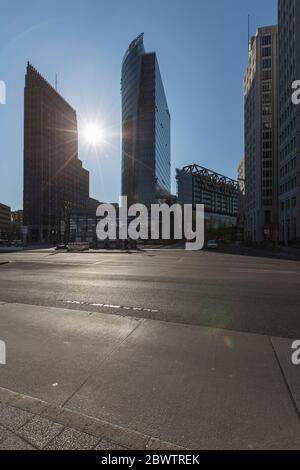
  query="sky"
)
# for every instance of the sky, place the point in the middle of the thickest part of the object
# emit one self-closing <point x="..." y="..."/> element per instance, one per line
<point x="201" y="47"/>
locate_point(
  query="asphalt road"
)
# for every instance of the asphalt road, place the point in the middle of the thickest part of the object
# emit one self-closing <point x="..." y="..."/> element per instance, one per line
<point x="239" y="293"/>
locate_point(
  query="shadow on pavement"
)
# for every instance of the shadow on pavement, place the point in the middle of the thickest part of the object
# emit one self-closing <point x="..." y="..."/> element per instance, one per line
<point x="290" y="254"/>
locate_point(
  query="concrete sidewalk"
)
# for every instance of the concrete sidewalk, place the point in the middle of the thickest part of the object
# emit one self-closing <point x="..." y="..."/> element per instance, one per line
<point x="194" y="387"/>
<point x="27" y="423"/>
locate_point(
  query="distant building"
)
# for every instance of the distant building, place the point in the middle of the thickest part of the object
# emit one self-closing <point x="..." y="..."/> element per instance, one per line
<point x="93" y="205"/>
<point x="261" y="136"/>
<point x="289" y="122"/>
<point x="16" y="224"/>
<point x="17" y="217"/>
<point x="146" y="147"/>
<point x="54" y="180"/>
<point x="5" y="222"/>
<point x="81" y="226"/>
<point x="219" y="194"/>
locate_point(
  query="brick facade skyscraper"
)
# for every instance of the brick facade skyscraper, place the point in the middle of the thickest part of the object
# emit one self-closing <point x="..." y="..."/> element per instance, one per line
<point x="55" y="182"/>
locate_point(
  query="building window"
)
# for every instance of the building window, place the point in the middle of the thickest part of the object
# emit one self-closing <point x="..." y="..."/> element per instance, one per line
<point x="266" y="40"/>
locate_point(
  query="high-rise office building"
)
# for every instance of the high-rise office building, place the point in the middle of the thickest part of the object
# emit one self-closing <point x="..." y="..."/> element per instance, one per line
<point x="55" y="182"/>
<point x="146" y="153"/>
<point x="289" y="121"/>
<point x="241" y="198"/>
<point x="261" y="135"/>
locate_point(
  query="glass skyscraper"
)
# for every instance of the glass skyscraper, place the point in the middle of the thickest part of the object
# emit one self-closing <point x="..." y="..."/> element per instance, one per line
<point x="146" y="146"/>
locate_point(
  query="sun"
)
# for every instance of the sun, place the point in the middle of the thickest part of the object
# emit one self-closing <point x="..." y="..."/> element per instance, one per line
<point x="93" y="134"/>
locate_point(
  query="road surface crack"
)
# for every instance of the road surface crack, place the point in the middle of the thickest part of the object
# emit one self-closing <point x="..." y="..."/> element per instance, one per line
<point x="285" y="379"/>
<point x="139" y="322"/>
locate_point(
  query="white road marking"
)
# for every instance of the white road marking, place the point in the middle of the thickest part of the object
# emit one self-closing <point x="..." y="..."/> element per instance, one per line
<point x="111" y="306"/>
<point x="116" y="307"/>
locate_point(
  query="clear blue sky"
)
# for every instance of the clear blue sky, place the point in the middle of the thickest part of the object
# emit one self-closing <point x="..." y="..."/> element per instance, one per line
<point x="202" y="52"/>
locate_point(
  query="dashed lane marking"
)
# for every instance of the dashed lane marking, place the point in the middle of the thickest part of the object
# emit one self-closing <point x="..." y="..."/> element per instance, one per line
<point x="116" y="307"/>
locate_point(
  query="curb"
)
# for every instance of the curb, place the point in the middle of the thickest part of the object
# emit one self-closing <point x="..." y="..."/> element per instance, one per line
<point x="93" y="426"/>
<point x="4" y="262"/>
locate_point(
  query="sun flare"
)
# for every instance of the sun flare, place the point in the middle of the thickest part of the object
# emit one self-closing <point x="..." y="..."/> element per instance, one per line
<point x="93" y="134"/>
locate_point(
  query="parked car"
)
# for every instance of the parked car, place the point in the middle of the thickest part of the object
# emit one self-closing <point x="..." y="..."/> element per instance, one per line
<point x="212" y="245"/>
<point x="61" y="246"/>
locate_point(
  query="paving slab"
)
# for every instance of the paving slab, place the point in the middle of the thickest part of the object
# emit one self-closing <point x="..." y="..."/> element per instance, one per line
<point x="284" y="351"/>
<point x="4" y="433"/>
<point x="196" y="387"/>
<point x="75" y="430"/>
<point x="13" y="418"/>
<point x="106" y="445"/>
<point x="71" y="439"/>
<point x="40" y="431"/>
<point x="51" y="352"/>
<point x="15" y="443"/>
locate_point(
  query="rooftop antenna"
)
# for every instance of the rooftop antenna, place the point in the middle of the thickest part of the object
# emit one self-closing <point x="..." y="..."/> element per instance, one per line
<point x="249" y="44"/>
<point x="56" y="81"/>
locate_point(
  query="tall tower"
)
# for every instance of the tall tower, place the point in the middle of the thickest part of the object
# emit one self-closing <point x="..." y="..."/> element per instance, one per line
<point x="289" y="122"/>
<point x="260" y="137"/>
<point x="54" y="180"/>
<point x="146" y="152"/>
